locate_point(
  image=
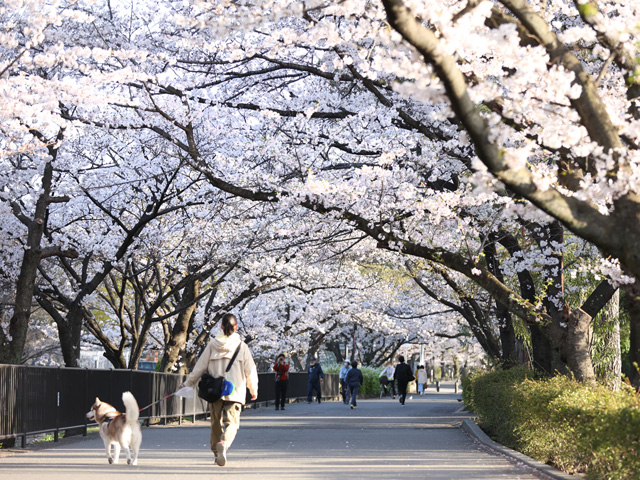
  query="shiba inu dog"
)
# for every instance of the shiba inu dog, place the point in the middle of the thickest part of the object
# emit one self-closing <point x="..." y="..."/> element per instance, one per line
<point x="118" y="429"/>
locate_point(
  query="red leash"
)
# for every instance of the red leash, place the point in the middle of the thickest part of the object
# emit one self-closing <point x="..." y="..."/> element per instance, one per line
<point x="158" y="401"/>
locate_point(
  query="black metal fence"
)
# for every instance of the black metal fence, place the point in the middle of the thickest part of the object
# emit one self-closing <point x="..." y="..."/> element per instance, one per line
<point x="36" y="400"/>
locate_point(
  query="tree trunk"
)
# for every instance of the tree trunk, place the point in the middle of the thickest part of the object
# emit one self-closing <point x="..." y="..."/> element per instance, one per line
<point x="297" y="364"/>
<point x="334" y="347"/>
<point x="608" y="346"/>
<point x="578" y="346"/>
<point x="507" y="338"/>
<point x="115" y="357"/>
<point x="542" y="351"/>
<point x="70" y="333"/>
<point x="12" y="343"/>
<point x="174" y="347"/>
<point x="633" y="306"/>
<point x="507" y="332"/>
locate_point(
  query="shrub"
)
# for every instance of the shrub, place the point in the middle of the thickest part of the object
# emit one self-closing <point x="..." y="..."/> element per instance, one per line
<point x="492" y="397"/>
<point x="371" y="385"/>
<point x="575" y="427"/>
<point x="332" y="368"/>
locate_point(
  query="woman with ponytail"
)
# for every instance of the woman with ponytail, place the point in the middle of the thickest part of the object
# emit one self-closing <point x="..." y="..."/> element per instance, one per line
<point x="225" y="413"/>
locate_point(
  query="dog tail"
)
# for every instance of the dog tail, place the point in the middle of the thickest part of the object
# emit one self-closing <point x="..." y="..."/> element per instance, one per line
<point x="131" y="406"/>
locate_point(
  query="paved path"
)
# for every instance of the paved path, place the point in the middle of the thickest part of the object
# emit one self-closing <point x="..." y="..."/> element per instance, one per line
<point x="379" y="440"/>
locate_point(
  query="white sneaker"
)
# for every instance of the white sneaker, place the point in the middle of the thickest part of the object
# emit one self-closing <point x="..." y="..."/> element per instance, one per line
<point x="221" y="458"/>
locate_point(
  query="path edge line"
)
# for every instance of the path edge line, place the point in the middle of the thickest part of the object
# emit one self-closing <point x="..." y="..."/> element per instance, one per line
<point x="474" y="430"/>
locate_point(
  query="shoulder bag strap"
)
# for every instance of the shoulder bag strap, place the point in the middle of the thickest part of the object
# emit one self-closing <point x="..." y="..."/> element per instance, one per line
<point x="233" y="359"/>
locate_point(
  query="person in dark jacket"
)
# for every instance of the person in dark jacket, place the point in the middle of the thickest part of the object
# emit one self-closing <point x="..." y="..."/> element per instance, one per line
<point x="403" y="377"/>
<point x="281" y="368"/>
<point x="315" y="376"/>
<point x="354" y="380"/>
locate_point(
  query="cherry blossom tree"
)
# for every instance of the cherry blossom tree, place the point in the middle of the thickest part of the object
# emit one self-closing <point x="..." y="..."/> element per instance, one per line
<point x="593" y="152"/>
<point x="472" y="136"/>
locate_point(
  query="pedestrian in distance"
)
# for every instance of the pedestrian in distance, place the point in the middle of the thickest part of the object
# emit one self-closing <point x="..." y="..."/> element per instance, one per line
<point x="421" y="379"/>
<point x="281" y="367"/>
<point x="316" y="375"/>
<point x="225" y="413"/>
<point x="344" y="390"/>
<point x="403" y="377"/>
<point x="387" y="379"/>
<point x="354" y="380"/>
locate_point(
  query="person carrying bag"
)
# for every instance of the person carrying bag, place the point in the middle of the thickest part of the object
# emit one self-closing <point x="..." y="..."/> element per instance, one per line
<point x="212" y="388"/>
<point x="228" y="359"/>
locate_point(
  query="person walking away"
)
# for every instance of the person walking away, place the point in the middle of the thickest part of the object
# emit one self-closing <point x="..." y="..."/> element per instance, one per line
<point x="415" y="375"/>
<point x="403" y="376"/>
<point x="354" y="380"/>
<point x="421" y="379"/>
<point x="387" y="372"/>
<point x="281" y="368"/>
<point x="344" y="390"/>
<point x="316" y="375"/>
<point x="225" y="413"/>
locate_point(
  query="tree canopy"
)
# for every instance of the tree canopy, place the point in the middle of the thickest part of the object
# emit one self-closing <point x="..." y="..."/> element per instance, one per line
<point x="384" y="169"/>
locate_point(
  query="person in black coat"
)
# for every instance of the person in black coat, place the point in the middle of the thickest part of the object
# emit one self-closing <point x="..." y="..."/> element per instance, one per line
<point x="315" y="376"/>
<point x="354" y="380"/>
<point x="403" y="377"/>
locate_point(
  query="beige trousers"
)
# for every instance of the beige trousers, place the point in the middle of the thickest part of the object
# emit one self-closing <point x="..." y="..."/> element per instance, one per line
<point x="227" y="415"/>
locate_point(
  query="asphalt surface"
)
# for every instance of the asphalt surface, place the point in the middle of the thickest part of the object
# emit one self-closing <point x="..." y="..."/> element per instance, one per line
<point x="378" y="440"/>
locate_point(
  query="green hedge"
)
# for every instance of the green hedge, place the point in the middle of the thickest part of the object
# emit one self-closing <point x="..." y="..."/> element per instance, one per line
<point x="575" y="427"/>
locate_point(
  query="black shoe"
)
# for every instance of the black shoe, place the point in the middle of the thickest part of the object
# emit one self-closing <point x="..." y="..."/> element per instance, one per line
<point x="281" y="408"/>
<point x="278" y="408"/>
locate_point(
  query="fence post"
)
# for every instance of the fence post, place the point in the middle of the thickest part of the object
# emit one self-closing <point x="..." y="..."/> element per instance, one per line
<point x="150" y="382"/>
<point x="56" y="433"/>
<point x="86" y="394"/>
<point x="22" y="382"/>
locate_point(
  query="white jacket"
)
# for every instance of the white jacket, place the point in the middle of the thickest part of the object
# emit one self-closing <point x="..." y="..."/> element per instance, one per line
<point x="389" y="370"/>
<point x="216" y="357"/>
<point x="422" y="376"/>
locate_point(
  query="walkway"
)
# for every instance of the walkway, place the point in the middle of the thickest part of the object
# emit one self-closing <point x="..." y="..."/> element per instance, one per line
<point x="379" y="440"/>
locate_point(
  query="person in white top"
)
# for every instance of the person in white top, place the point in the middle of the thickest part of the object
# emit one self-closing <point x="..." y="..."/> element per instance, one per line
<point x="421" y="379"/>
<point x="344" y="390"/>
<point x="388" y="372"/>
<point x="225" y="413"/>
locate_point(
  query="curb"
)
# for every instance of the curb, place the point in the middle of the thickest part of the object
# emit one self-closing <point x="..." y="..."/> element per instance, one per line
<point x="474" y="430"/>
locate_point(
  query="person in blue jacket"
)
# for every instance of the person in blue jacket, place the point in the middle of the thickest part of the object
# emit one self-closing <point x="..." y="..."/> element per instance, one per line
<point x="315" y="376"/>
<point x="354" y="380"/>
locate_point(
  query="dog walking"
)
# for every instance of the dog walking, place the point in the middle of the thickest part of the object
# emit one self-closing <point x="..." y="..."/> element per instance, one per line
<point x="118" y="430"/>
